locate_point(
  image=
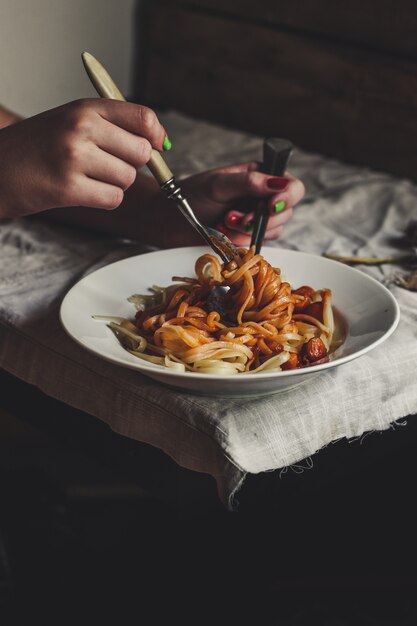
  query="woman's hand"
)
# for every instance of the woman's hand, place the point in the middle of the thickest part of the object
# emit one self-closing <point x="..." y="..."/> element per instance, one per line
<point x="226" y="199"/>
<point x="85" y="153"/>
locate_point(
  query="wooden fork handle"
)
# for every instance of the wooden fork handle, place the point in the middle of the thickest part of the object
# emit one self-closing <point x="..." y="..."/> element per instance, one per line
<point x="107" y="88"/>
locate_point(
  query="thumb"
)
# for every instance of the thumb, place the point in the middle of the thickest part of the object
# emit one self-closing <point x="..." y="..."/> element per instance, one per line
<point x="227" y="187"/>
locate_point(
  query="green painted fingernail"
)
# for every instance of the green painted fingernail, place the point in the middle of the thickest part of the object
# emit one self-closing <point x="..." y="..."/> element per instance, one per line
<point x="167" y="145"/>
<point x="249" y="227"/>
<point x="279" y="206"/>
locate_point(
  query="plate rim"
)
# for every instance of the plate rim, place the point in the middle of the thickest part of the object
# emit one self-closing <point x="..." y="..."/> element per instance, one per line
<point x="144" y="367"/>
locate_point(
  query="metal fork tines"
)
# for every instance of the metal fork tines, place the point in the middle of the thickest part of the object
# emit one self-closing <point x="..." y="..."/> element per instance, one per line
<point x="214" y="238"/>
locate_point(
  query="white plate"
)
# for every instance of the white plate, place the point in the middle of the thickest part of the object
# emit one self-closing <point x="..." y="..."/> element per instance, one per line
<point x="370" y="311"/>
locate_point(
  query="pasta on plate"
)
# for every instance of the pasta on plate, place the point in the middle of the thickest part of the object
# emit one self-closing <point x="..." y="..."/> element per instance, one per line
<point x="257" y="323"/>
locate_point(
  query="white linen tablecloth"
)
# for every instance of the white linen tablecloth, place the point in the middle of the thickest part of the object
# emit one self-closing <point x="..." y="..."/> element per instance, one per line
<point x="347" y="210"/>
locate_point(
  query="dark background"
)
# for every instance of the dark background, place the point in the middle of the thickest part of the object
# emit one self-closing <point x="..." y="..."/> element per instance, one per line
<point x="337" y="78"/>
<point x="98" y="528"/>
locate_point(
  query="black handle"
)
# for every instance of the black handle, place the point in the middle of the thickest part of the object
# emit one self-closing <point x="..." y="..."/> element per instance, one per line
<point x="276" y="155"/>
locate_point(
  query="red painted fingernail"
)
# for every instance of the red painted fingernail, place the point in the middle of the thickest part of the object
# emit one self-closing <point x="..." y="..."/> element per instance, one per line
<point x="232" y="219"/>
<point x="278" y="183"/>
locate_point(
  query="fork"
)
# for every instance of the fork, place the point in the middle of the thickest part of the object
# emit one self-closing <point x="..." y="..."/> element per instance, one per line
<point x="106" y="88"/>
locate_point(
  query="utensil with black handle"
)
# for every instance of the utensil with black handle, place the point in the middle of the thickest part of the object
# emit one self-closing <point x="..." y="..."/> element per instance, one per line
<point x="276" y="155"/>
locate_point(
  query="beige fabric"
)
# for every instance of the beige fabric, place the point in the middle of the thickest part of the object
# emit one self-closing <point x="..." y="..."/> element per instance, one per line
<point x="347" y="210"/>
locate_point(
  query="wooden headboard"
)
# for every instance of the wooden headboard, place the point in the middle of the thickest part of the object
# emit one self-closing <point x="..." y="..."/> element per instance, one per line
<point x="335" y="78"/>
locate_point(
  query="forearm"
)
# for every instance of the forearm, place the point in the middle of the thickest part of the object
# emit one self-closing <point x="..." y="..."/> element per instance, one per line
<point x="7" y="117"/>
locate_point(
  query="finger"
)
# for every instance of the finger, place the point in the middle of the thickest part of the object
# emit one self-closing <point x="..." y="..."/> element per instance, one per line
<point x="244" y="223"/>
<point x="107" y="168"/>
<point x="122" y="144"/>
<point x="274" y="233"/>
<point x="239" y="168"/>
<point x="95" y="194"/>
<point x="135" y="118"/>
<point x="239" y="239"/>
<point x="279" y="220"/>
<point x="244" y="239"/>
<point x="287" y="198"/>
<point x="227" y="187"/>
<point x="230" y="186"/>
<point x="234" y="220"/>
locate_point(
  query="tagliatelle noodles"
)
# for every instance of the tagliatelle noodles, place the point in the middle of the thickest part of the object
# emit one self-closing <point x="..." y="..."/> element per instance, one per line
<point x="260" y="324"/>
